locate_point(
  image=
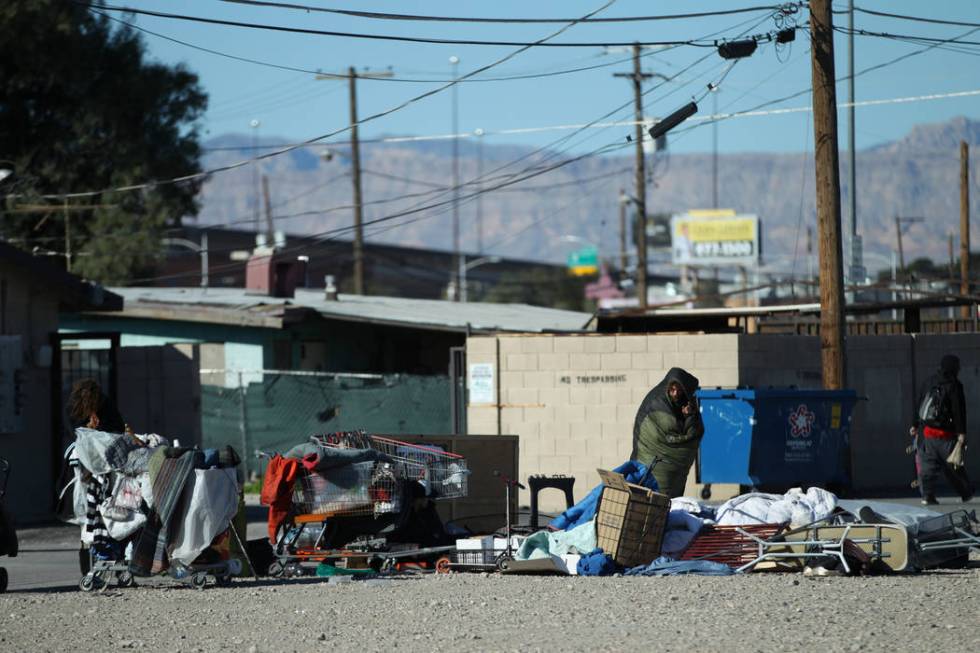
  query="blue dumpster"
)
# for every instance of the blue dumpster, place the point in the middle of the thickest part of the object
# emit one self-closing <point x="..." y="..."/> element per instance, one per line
<point x="776" y="437"/>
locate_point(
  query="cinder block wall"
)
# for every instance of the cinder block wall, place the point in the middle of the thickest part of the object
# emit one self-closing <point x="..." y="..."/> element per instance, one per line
<point x="572" y="399"/>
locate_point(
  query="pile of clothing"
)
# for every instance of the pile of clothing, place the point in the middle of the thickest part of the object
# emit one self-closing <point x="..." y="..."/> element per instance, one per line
<point x="139" y="499"/>
<point x="571" y="538"/>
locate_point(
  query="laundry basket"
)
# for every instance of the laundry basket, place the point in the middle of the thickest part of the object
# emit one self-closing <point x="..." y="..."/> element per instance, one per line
<point x="630" y="520"/>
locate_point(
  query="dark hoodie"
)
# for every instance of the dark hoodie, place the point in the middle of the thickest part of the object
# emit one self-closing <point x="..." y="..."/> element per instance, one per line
<point x="949" y="369"/>
<point x="661" y="430"/>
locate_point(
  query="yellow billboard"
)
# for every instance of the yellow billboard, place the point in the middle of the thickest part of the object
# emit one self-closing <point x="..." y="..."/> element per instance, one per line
<point x="719" y="237"/>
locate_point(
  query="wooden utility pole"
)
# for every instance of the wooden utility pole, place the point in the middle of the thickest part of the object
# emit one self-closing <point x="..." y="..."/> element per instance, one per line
<point x="898" y="241"/>
<point x="269" y="225"/>
<point x="952" y="265"/>
<point x="622" y="230"/>
<point x="965" y="224"/>
<point x="827" y="166"/>
<point x="637" y="77"/>
<point x="355" y="157"/>
<point x="355" y="149"/>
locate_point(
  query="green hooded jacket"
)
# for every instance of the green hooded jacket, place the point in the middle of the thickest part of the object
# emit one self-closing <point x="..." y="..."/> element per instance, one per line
<point x="661" y="431"/>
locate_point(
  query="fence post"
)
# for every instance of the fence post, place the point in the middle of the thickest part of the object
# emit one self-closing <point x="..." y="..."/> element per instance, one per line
<point x="243" y="424"/>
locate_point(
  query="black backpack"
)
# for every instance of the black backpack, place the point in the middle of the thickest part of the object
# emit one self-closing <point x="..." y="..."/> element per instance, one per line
<point x="936" y="409"/>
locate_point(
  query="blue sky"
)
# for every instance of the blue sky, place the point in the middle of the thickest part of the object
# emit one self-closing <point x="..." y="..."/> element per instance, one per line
<point x="295" y="106"/>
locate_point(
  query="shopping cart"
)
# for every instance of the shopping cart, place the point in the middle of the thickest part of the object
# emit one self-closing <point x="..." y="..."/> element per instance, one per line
<point x="444" y="475"/>
<point x="336" y="513"/>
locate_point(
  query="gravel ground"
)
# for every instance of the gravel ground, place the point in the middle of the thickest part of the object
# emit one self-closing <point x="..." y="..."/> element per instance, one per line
<point x="756" y="612"/>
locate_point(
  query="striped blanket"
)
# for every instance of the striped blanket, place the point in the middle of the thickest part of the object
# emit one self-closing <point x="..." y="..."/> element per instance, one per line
<point x="168" y="477"/>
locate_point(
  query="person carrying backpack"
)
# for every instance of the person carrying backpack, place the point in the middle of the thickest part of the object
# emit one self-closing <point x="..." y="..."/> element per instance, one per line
<point x="942" y="441"/>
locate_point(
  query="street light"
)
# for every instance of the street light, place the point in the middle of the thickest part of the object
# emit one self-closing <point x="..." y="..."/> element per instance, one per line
<point x="478" y="132"/>
<point x="255" y="123"/>
<point x="202" y="249"/>
<point x="466" y="267"/>
<point x="457" y="259"/>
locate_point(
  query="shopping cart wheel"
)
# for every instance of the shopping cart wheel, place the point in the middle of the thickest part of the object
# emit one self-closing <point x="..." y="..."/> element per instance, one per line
<point x="503" y="562"/>
<point x="443" y="565"/>
<point x="706" y="491"/>
<point x="125" y="579"/>
<point x="89" y="582"/>
<point x="3" y="580"/>
<point x="276" y="569"/>
<point x="199" y="581"/>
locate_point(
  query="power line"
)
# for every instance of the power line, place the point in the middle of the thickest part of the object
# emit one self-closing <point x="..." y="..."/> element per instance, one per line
<point x="406" y="39"/>
<point x="787" y="8"/>
<point x="381" y="114"/>
<point x="906" y="37"/>
<point x="918" y="19"/>
<point x="698" y="123"/>
<point x="268" y="64"/>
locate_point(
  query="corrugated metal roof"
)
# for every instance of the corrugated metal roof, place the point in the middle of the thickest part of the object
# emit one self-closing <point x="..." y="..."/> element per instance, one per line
<point x="396" y="311"/>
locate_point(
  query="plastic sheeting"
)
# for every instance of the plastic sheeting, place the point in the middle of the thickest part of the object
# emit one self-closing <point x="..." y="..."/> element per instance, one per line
<point x="795" y="507"/>
<point x="212" y="501"/>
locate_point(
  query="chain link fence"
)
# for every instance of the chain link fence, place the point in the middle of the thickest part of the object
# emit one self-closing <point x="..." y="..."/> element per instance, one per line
<point x="272" y="410"/>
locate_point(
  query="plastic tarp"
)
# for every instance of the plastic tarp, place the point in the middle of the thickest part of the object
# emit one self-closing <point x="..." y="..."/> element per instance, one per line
<point x="543" y="544"/>
<point x="796" y="507"/>
<point x="212" y="502"/>
<point x="584" y="510"/>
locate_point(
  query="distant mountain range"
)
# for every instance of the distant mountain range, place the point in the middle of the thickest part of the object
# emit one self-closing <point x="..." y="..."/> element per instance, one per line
<point x="915" y="176"/>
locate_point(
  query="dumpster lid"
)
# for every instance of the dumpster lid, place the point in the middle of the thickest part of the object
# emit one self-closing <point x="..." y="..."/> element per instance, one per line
<point x="748" y="394"/>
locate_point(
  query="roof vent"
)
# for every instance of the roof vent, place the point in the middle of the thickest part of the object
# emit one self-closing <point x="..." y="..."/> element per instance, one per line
<point x="330" y="290"/>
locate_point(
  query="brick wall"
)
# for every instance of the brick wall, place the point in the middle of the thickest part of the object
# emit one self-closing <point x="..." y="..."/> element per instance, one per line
<point x="572" y="399"/>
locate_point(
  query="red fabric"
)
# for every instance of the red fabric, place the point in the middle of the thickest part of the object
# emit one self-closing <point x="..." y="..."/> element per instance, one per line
<point x="277" y="490"/>
<point x="310" y="461"/>
<point x="938" y="434"/>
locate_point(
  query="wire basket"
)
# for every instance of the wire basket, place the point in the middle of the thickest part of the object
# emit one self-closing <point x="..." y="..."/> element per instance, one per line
<point x="347" y="490"/>
<point x="444" y="475"/>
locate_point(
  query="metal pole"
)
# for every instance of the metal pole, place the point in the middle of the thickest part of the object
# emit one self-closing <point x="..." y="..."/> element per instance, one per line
<point x="67" y="237"/>
<point x="714" y="149"/>
<point x="852" y="191"/>
<point x="479" y="191"/>
<point x="894" y="285"/>
<point x="267" y="202"/>
<point x="457" y="271"/>
<point x="255" y="172"/>
<point x="827" y="166"/>
<point x="464" y="296"/>
<point x="965" y="223"/>
<point x="243" y="422"/>
<point x="356" y="176"/>
<point x="901" y="251"/>
<point x="622" y="230"/>
<point x="204" y="259"/>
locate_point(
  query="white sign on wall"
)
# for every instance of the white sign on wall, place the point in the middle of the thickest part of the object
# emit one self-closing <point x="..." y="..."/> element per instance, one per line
<point x="481" y="384"/>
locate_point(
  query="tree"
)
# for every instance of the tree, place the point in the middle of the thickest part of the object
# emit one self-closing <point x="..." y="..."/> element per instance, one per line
<point x="82" y="108"/>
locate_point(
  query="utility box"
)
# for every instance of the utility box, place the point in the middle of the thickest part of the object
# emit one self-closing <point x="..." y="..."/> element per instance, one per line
<point x="776" y="437"/>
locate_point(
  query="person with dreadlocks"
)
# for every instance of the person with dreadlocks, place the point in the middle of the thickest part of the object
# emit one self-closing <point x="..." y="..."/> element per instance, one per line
<point x="89" y="407"/>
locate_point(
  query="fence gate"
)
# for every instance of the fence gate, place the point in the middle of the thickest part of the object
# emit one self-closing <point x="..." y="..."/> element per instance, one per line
<point x="78" y="356"/>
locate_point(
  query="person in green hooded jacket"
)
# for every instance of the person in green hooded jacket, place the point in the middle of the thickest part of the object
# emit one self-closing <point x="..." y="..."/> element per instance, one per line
<point x="668" y="428"/>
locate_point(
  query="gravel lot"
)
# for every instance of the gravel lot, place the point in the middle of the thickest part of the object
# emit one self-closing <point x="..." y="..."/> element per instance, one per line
<point x="761" y="612"/>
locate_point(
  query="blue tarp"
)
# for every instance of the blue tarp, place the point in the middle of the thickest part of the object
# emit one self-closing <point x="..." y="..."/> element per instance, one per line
<point x="584" y="510"/>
